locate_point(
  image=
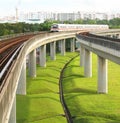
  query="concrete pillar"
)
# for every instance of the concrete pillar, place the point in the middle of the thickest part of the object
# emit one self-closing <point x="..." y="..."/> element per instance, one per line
<point x="32" y="63"/>
<point x="72" y="45"/>
<point x="37" y="55"/>
<point x="53" y="50"/>
<point x="63" y="47"/>
<point x="43" y="56"/>
<point x="114" y="36"/>
<point x="21" y="89"/>
<point x="88" y="63"/>
<point x="82" y="55"/>
<point x="59" y="46"/>
<point x="102" y="75"/>
<point x="13" y="112"/>
<point x="117" y="36"/>
<point x="110" y="36"/>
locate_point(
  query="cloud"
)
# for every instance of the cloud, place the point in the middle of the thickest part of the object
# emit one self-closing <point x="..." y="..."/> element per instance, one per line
<point x="97" y="5"/>
<point x="60" y="5"/>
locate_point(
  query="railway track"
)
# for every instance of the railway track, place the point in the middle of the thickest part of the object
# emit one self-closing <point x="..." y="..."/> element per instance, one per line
<point x="103" y="37"/>
<point x="93" y="36"/>
<point x="8" y="46"/>
<point x="7" y="62"/>
<point x="100" y="40"/>
<point x="9" y="50"/>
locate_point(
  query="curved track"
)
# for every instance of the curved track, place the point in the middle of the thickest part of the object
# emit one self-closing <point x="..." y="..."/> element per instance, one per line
<point x="7" y="49"/>
<point x="10" y="48"/>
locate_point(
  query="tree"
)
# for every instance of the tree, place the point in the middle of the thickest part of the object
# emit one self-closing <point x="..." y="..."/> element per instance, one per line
<point x="114" y="23"/>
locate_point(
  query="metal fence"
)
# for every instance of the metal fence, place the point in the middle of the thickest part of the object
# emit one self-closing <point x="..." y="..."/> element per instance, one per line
<point x="103" y="41"/>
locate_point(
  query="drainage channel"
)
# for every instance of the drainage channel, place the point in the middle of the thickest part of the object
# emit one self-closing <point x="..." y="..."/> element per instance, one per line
<point x="66" y="110"/>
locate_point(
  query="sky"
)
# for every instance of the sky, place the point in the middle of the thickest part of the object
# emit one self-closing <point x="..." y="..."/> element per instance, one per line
<point x="7" y="7"/>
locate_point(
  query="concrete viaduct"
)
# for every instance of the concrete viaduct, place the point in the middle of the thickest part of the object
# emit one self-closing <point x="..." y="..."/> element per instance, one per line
<point x="16" y="82"/>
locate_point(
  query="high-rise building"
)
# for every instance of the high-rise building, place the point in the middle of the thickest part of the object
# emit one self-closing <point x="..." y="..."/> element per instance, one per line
<point x="41" y="16"/>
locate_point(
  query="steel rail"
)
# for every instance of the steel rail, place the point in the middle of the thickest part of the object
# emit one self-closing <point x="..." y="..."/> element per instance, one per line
<point x="11" y="81"/>
<point x="7" y="49"/>
<point x="10" y="61"/>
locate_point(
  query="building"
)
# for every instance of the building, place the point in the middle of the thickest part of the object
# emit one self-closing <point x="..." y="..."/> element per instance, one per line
<point x="41" y="16"/>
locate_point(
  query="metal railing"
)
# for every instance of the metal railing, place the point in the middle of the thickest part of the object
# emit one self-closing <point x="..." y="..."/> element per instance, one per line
<point x="105" y="42"/>
<point x="18" y="35"/>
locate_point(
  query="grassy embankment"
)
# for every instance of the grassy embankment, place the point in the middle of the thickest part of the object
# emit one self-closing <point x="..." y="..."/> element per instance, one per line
<point x="86" y="106"/>
<point x="42" y="103"/>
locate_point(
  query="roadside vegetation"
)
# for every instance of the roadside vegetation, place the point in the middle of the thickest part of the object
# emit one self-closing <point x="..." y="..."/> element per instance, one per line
<point x="42" y="102"/>
<point x="82" y="99"/>
<point x="14" y="28"/>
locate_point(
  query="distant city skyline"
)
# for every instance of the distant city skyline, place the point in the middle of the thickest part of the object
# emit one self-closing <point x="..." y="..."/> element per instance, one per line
<point x="41" y="16"/>
<point x="7" y="7"/>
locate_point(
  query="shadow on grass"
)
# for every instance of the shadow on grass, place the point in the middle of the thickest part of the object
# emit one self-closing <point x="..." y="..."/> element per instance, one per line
<point x="39" y="97"/>
<point x="81" y="115"/>
<point x="46" y="80"/>
<point x="82" y="91"/>
<point x="55" y="69"/>
<point x="75" y="66"/>
<point x="39" y="119"/>
<point x="63" y="62"/>
<point x="42" y="80"/>
<point x="78" y="92"/>
<point x="50" y="75"/>
<point x="23" y="102"/>
<point x="81" y="120"/>
<point x="73" y="96"/>
<point x="42" y="91"/>
<point x="73" y="76"/>
<point x="93" y="117"/>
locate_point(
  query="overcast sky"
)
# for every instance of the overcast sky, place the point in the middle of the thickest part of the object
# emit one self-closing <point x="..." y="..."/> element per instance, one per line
<point x="7" y="7"/>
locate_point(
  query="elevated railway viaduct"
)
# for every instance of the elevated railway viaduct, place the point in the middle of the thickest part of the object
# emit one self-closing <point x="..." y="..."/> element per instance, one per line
<point x="104" y="47"/>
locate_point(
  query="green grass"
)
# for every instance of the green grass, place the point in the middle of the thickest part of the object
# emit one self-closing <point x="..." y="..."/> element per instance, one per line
<point x="85" y="105"/>
<point x="42" y="102"/>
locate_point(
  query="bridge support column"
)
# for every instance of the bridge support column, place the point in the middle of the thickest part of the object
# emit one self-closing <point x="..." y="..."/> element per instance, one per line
<point x="32" y="63"/>
<point x="119" y="36"/>
<point x="82" y="55"/>
<point x="21" y="89"/>
<point x="59" y="46"/>
<point x="102" y="75"/>
<point x="72" y="45"/>
<point x="13" y="112"/>
<point x="63" y="47"/>
<point x="53" y="50"/>
<point x="37" y="55"/>
<point x="43" y="56"/>
<point x="88" y="64"/>
<point x="114" y="36"/>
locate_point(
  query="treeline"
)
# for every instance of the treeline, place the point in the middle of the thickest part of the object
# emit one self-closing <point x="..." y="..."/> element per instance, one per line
<point x="8" y="28"/>
<point x="22" y="27"/>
